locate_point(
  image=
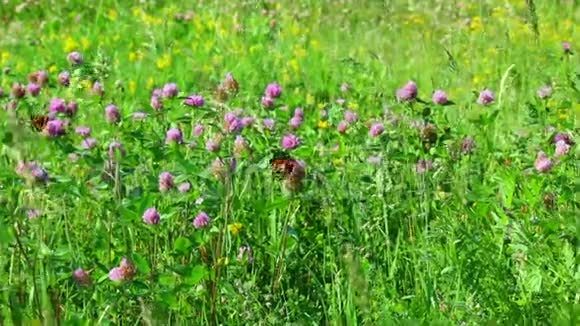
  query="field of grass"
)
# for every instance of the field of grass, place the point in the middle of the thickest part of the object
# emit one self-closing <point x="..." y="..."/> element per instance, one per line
<point x="331" y="162"/>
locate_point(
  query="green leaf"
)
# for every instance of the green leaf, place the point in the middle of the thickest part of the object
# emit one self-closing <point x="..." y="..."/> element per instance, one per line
<point x="198" y="273"/>
<point x="141" y="263"/>
<point x="182" y="244"/>
<point x="5" y="234"/>
<point x="167" y="280"/>
<point x="533" y="280"/>
<point x="169" y="298"/>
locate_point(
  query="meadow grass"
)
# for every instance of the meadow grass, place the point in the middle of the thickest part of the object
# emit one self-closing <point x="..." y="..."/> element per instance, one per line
<point x="411" y="212"/>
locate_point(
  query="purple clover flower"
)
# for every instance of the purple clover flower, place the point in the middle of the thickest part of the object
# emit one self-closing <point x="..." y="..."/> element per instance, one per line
<point x="298" y="112"/>
<point x="562" y="148"/>
<point x="423" y="166"/>
<point x="71" y="108"/>
<point x="408" y="92"/>
<point x="18" y="90"/>
<point x="55" y="128"/>
<point x="565" y="137"/>
<point x="81" y="277"/>
<point x="269" y="123"/>
<point x="567" y="47"/>
<point x="156" y="103"/>
<point x="98" y="88"/>
<point x="184" y="187"/>
<point x="267" y="102"/>
<point x="151" y="216"/>
<point x="350" y="116"/>
<point x="57" y="105"/>
<point x="376" y="129"/>
<point x="295" y="122"/>
<point x="75" y="58"/>
<point x="170" y="90"/>
<point x="88" y="143"/>
<point x="290" y="141"/>
<point x="194" y="100"/>
<point x="64" y="78"/>
<point x="33" y="89"/>
<point x="166" y="181"/>
<point x="467" y="145"/>
<point x="116" y="147"/>
<point x="247" y="121"/>
<point x="213" y="145"/>
<point x="173" y="135"/>
<point x="273" y="90"/>
<point x="545" y="92"/>
<point x="543" y="163"/>
<point x="139" y="116"/>
<point x="201" y="220"/>
<point x="112" y="114"/>
<point x="198" y="130"/>
<point x="440" y="97"/>
<point x="486" y="97"/>
<point x="342" y="127"/>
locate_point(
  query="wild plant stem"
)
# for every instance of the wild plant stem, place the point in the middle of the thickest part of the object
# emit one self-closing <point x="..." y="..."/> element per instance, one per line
<point x="280" y="260"/>
<point x="33" y="270"/>
<point x="219" y="247"/>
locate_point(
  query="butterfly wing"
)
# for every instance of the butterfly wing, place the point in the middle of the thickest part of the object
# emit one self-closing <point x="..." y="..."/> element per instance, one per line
<point x="38" y="122"/>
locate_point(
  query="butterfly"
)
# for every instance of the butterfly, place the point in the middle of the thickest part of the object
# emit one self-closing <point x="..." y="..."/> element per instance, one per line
<point x="287" y="167"/>
<point x="38" y="122"/>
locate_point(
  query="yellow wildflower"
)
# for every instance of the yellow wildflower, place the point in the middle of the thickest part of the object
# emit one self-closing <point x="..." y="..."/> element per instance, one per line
<point x="20" y="66"/>
<point x="299" y="52"/>
<point x="492" y="51"/>
<point x="323" y="124"/>
<point x="295" y="30"/>
<point x="285" y="77"/>
<point x="520" y="4"/>
<point x="198" y="25"/>
<point x="210" y="24"/>
<point x="151" y="20"/>
<point x="136" y="11"/>
<point x="132" y="86"/>
<point x="150" y="83"/>
<point x="4" y="56"/>
<point x="476" y="24"/>
<point x="353" y="105"/>
<point x="235" y="228"/>
<point x="164" y="61"/>
<point x="315" y="44"/>
<point x="498" y="12"/>
<point x="338" y="162"/>
<point x="417" y="20"/>
<point x="52" y="69"/>
<point x="86" y="84"/>
<point x="310" y="99"/>
<point x="70" y="44"/>
<point x="85" y="43"/>
<point x="209" y="44"/>
<point x="132" y="56"/>
<point x="293" y="64"/>
<point x="222" y="32"/>
<point x="112" y="14"/>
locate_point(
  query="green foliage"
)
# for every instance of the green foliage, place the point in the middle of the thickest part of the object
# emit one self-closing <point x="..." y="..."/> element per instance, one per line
<point x="480" y="238"/>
